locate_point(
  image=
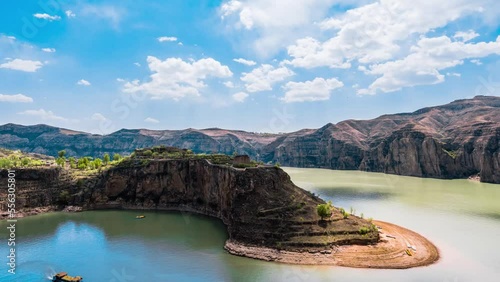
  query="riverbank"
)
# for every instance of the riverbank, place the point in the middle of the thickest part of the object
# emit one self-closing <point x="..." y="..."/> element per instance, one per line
<point x="388" y="253"/>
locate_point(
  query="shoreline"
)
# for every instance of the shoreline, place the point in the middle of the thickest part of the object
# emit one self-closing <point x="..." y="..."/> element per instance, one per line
<point x="388" y="253"/>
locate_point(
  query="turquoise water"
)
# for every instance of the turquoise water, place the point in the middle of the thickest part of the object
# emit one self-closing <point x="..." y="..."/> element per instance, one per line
<point x="461" y="217"/>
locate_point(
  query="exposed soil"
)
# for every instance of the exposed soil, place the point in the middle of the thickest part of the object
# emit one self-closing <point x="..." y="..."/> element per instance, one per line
<point x="388" y="253"/>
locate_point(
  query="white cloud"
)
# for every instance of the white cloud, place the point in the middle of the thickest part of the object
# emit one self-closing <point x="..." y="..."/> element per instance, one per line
<point x="151" y="120"/>
<point x="476" y="62"/>
<point x="22" y="65"/>
<point x="240" y="97"/>
<point x="422" y="66"/>
<point x="175" y="78"/>
<point x="180" y="44"/>
<point x="137" y="64"/>
<point x="465" y="36"/>
<point x="17" y="98"/>
<point x="48" y="50"/>
<point x="98" y="117"/>
<point x="456" y="74"/>
<point x="83" y="82"/>
<point x="375" y="32"/>
<point x="263" y="77"/>
<point x="120" y="80"/>
<point x="70" y="14"/>
<point x="271" y="27"/>
<point x="43" y="115"/>
<point x="318" y="89"/>
<point x="167" y="38"/>
<point x="11" y="37"/>
<point x="46" y="17"/>
<point x="245" y="62"/>
<point x="229" y="84"/>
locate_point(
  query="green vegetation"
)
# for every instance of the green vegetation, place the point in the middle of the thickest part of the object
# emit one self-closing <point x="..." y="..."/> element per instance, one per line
<point x="15" y="159"/>
<point x="324" y="210"/>
<point x="63" y="197"/>
<point x="344" y="213"/>
<point x="106" y="159"/>
<point x="117" y="157"/>
<point x="277" y="164"/>
<point x="364" y="230"/>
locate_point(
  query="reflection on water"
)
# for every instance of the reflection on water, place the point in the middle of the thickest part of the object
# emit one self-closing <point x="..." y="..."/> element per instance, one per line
<point x="461" y="217"/>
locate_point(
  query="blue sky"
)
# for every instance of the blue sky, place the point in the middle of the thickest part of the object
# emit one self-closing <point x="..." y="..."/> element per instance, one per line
<point x="264" y="66"/>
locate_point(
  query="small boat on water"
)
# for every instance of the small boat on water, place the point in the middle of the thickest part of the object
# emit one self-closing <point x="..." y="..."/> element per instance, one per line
<point x="140" y="216"/>
<point x="64" y="277"/>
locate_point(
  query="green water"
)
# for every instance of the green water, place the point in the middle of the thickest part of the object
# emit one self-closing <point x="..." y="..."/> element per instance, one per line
<point x="461" y="217"/>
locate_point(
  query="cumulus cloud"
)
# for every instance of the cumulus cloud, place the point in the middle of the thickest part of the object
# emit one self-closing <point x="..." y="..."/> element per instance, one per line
<point x="83" y="82"/>
<point x="476" y="62"/>
<point x="46" y="17"/>
<point x="240" y="97"/>
<point x="422" y="65"/>
<point x="22" y="65"/>
<point x="245" y="62"/>
<point x="17" y="98"/>
<point x="167" y="38"/>
<point x="43" y="115"/>
<point x="374" y="33"/>
<point x="175" y="78"/>
<point x="48" y="50"/>
<point x="271" y="27"/>
<point x="318" y="89"/>
<point x="263" y="77"/>
<point x="151" y="120"/>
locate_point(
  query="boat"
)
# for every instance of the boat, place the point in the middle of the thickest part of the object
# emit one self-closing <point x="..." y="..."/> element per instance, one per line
<point x="140" y="216"/>
<point x="64" y="277"/>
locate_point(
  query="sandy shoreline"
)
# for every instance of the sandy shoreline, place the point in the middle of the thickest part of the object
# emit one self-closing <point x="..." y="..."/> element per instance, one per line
<point x="389" y="253"/>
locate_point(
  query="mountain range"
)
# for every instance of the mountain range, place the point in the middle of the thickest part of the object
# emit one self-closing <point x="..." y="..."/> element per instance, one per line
<point x="457" y="140"/>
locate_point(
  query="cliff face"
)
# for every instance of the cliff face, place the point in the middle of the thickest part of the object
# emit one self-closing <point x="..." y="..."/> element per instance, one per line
<point x="456" y="140"/>
<point x="260" y="206"/>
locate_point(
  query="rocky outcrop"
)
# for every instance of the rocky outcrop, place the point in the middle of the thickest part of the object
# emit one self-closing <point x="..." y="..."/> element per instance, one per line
<point x="457" y="140"/>
<point x="260" y="206"/>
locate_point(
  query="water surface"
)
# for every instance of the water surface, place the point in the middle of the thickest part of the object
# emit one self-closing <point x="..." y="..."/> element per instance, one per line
<point x="461" y="217"/>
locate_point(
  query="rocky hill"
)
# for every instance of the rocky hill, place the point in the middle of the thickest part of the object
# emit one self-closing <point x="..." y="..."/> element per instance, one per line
<point x="260" y="205"/>
<point x="456" y="140"/>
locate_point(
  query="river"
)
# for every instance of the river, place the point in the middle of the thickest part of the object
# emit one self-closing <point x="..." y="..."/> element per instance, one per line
<point x="461" y="217"/>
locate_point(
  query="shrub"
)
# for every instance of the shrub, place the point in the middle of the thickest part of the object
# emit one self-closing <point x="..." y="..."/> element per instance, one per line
<point x="364" y="230"/>
<point x="324" y="210"/>
<point x="147" y="153"/>
<point x="117" y="157"/>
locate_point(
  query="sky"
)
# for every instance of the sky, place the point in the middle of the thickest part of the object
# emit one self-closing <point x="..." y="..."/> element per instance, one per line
<point x="259" y="65"/>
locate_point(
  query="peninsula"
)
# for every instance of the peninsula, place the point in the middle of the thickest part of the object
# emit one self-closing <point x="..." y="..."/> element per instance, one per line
<point x="267" y="216"/>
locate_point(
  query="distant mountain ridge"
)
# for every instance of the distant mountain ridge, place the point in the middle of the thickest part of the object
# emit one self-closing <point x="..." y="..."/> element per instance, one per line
<point x="456" y="140"/>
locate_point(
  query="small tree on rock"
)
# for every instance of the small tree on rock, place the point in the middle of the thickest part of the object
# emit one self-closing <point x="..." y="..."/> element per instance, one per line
<point x="324" y="210"/>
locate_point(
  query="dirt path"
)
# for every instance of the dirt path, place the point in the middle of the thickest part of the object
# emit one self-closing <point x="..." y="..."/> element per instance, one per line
<point x="390" y="252"/>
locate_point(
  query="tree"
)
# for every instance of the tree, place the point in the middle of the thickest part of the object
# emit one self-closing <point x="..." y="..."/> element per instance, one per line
<point x="61" y="161"/>
<point x="72" y="162"/>
<point x="106" y="159"/>
<point x="117" y="157"/>
<point x="61" y="153"/>
<point x="97" y="163"/>
<point x="324" y="210"/>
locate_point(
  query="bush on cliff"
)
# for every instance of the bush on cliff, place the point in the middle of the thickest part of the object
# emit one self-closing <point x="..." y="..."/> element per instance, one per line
<point x="324" y="210"/>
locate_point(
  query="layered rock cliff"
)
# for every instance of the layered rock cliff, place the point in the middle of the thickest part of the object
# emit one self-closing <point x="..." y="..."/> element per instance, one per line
<point x="260" y="205"/>
<point x="457" y="140"/>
